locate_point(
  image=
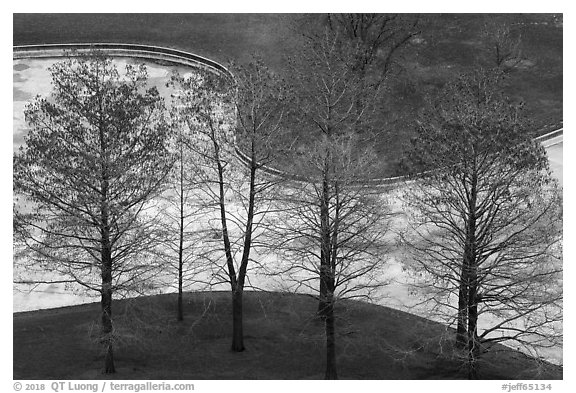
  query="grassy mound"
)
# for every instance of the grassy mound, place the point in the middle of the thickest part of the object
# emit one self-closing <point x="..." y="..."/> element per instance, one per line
<point x="283" y="338"/>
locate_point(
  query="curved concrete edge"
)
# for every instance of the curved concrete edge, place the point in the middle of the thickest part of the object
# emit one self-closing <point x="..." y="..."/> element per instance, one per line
<point x="550" y="135"/>
<point x="553" y="142"/>
<point x="118" y="49"/>
<point x="552" y="138"/>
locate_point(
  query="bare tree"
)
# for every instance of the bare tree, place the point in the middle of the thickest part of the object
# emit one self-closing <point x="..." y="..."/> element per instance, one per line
<point x="178" y="226"/>
<point x="332" y="227"/>
<point x="329" y="229"/>
<point x="226" y="116"/>
<point x="326" y="90"/>
<point x="380" y="37"/>
<point x="370" y="45"/>
<point x="502" y="46"/>
<point x="93" y="159"/>
<point x="485" y="213"/>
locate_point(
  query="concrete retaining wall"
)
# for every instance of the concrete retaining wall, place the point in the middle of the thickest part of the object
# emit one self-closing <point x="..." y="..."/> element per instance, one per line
<point x="121" y="50"/>
<point x="550" y="135"/>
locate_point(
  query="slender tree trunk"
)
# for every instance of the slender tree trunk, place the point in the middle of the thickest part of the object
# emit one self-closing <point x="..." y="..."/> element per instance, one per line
<point x="324" y="246"/>
<point x="461" y="338"/>
<point x="106" y="304"/>
<point x="238" y="289"/>
<point x="106" y="255"/>
<point x="180" y="270"/>
<point x="237" y="325"/>
<point x="106" y="300"/>
<point x="330" y="340"/>
<point x="180" y="305"/>
<point x="327" y="275"/>
<point x="181" y="247"/>
<point x="473" y="341"/>
<point x="109" y="360"/>
<point x="322" y="301"/>
<point x="471" y="280"/>
<point x="181" y="235"/>
<point x="359" y="104"/>
<point x="106" y="252"/>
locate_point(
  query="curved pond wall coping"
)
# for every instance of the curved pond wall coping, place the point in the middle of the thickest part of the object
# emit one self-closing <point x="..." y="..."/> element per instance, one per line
<point x="119" y="49"/>
<point x="550" y="135"/>
<point x="189" y="59"/>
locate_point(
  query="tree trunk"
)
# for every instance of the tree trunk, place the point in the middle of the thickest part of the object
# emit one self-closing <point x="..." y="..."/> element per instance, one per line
<point x="461" y="338"/>
<point x="237" y="325"/>
<point x="473" y="341"/>
<point x="106" y="304"/>
<point x="359" y="104"/>
<point x="330" y="341"/>
<point x="109" y="361"/>
<point x="180" y="271"/>
<point x="324" y="244"/>
<point x="180" y="306"/>
<point x="468" y="280"/>
<point x="181" y="237"/>
<point x="106" y="255"/>
<point x="322" y="301"/>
